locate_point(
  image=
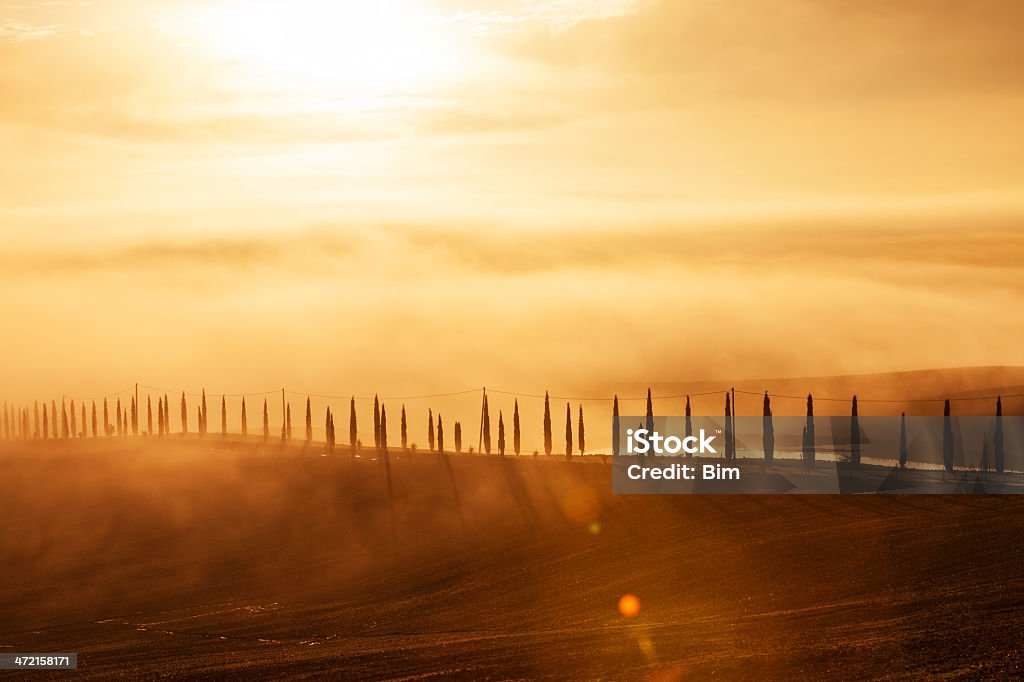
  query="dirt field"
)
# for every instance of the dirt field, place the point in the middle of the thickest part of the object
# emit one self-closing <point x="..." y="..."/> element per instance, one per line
<point x="200" y="560"/>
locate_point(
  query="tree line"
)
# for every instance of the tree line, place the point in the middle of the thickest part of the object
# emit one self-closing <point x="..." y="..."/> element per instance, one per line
<point x="42" y="421"/>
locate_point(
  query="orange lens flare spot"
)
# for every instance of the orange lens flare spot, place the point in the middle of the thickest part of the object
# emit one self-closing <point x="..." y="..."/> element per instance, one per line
<point x="629" y="605"/>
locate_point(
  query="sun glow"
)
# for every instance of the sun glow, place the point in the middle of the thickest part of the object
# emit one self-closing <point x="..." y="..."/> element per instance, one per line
<point x="349" y="47"/>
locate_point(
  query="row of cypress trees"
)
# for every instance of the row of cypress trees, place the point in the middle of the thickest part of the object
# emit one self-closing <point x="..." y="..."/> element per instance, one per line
<point x="21" y="422"/>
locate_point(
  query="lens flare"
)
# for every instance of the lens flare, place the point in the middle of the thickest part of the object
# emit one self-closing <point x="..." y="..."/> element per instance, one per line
<point x="629" y="605"/>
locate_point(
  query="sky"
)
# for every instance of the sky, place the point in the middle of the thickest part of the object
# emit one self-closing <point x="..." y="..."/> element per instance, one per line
<point x="421" y="196"/>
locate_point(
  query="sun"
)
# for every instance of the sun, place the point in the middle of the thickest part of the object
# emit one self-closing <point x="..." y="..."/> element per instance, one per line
<point x="356" y="47"/>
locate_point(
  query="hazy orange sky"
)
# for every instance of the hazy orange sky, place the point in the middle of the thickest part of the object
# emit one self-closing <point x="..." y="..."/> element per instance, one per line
<point x="415" y="196"/>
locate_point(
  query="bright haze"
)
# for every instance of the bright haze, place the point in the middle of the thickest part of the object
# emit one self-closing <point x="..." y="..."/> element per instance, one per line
<point x="418" y="195"/>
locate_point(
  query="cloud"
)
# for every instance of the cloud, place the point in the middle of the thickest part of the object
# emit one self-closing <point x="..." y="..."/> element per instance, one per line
<point x="21" y="32"/>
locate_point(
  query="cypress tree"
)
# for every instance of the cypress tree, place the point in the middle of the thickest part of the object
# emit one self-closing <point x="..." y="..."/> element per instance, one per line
<point x="947" y="438"/>
<point x="730" y="451"/>
<point x="266" y="422"/>
<point x="501" y="435"/>
<point x="581" y="434"/>
<point x="487" y="427"/>
<point x="199" y="417"/>
<point x="903" y="440"/>
<point x="309" y="422"/>
<point x="809" y="452"/>
<point x="405" y="432"/>
<point x="568" y="431"/>
<point x="149" y="415"/>
<point x="223" y="416"/>
<point x="117" y="415"/>
<point x="35" y="421"/>
<point x="998" y="438"/>
<point x="46" y="426"/>
<point x="440" y="434"/>
<point x="376" y="423"/>
<point x="53" y="417"/>
<point x="167" y="415"/>
<point x="384" y="428"/>
<point x="854" y="435"/>
<point x="458" y="437"/>
<point x="65" y="428"/>
<point x="516" y="440"/>
<point x="547" y="425"/>
<point x="203" y="416"/>
<point x="616" y="433"/>
<point x="288" y="420"/>
<point x="245" y="421"/>
<point x="160" y="415"/>
<point x="327" y="427"/>
<point x="73" y="432"/>
<point x="430" y="429"/>
<point x="767" y="431"/>
<point x="689" y="422"/>
<point x="184" y="414"/>
<point x="135" y="418"/>
<point x="106" y="418"/>
<point x="650" y="414"/>
<point x="353" y="433"/>
<point x="94" y="420"/>
<point x="85" y="425"/>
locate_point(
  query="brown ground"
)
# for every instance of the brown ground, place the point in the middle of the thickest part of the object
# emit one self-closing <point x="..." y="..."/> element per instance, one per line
<point x="205" y="561"/>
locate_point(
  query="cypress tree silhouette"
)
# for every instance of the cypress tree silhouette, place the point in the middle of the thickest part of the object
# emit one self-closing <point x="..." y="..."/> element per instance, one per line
<point x="95" y="421"/>
<point x="809" y="452"/>
<point x="329" y="430"/>
<point x="547" y="425"/>
<point x="767" y="431"/>
<point x="135" y="418"/>
<point x="149" y="416"/>
<point x="405" y="431"/>
<point x="73" y="432"/>
<point x="689" y="422"/>
<point x="266" y="422"/>
<point x="568" y="432"/>
<point x="458" y="437"/>
<point x="85" y="424"/>
<point x="650" y="413"/>
<point x="46" y="425"/>
<point x="125" y="422"/>
<point x="582" y="434"/>
<point x="616" y="433"/>
<point x="376" y="423"/>
<point x="35" y="421"/>
<point x="730" y="447"/>
<point x="353" y="434"/>
<point x="998" y="438"/>
<point x="516" y="440"/>
<point x="288" y="421"/>
<point x="854" y="435"/>
<point x="487" y="427"/>
<point x="63" y="420"/>
<point x="903" y="440"/>
<point x="384" y="428"/>
<point x="947" y="438"/>
<point x="117" y="416"/>
<point x="160" y="415"/>
<point x="440" y="434"/>
<point x="106" y="418"/>
<point x="430" y="429"/>
<point x="184" y="414"/>
<point x="501" y="435"/>
<point x="203" y="416"/>
<point x="53" y="417"/>
<point x="223" y="416"/>
<point x="199" y="418"/>
<point x="309" y="422"/>
<point x="167" y="415"/>
<point x="245" y="421"/>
